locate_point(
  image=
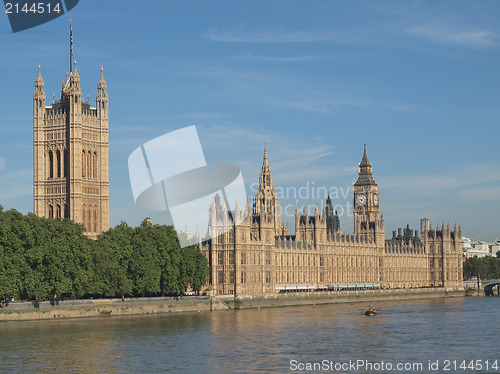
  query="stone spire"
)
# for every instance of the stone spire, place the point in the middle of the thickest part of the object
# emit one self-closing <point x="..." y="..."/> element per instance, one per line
<point x="237" y="213"/>
<point x="73" y="85"/>
<point x="365" y="176"/>
<point x="364" y="161"/>
<point x="266" y="176"/>
<point x="39" y="80"/>
<point x="101" y="85"/>
<point x="75" y="74"/>
<point x="247" y="207"/>
<point x="266" y="159"/>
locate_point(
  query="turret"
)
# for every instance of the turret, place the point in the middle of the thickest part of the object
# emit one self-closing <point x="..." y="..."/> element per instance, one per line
<point x="297" y="217"/>
<point x="266" y="200"/>
<point x="39" y="98"/>
<point x="102" y="98"/>
<point x="38" y="149"/>
<point x="237" y="213"/>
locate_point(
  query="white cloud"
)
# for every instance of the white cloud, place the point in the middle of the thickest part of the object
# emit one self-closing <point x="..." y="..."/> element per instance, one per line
<point x="239" y="35"/>
<point x="292" y="160"/>
<point x="454" y="36"/>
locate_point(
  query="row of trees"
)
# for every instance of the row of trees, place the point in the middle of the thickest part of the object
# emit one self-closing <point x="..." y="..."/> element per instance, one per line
<point x="42" y="257"/>
<point x="486" y="267"/>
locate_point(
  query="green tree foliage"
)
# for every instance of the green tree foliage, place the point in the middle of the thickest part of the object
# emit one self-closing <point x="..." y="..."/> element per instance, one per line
<point x="486" y="267"/>
<point x="41" y="257"/>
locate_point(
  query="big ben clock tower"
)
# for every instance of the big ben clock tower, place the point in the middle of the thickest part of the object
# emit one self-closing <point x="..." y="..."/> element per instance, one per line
<point x="366" y="200"/>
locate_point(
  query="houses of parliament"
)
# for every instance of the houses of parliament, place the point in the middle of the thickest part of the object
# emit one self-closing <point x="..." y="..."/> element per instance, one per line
<point x="258" y="255"/>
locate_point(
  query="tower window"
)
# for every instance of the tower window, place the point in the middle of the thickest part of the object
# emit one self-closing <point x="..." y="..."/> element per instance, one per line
<point x="89" y="174"/>
<point x="58" y="157"/>
<point x="84" y="156"/>
<point x="66" y="164"/>
<point x="58" y="211"/>
<point x="51" y="164"/>
<point x="51" y="211"/>
<point x="95" y="165"/>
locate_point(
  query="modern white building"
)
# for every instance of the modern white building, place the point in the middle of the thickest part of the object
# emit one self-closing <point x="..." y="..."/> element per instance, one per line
<point x="479" y="248"/>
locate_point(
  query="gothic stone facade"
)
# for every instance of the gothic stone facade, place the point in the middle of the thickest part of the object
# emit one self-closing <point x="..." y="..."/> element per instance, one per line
<point x="70" y="142"/>
<point x="258" y="254"/>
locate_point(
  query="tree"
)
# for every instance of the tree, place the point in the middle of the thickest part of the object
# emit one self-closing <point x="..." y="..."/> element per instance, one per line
<point x="486" y="267"/>
<point x="41" y="257"/>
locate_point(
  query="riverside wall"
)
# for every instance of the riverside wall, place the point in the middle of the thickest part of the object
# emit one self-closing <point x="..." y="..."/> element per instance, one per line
<point x="103" y="308"/>
<point x="331" y="297"/>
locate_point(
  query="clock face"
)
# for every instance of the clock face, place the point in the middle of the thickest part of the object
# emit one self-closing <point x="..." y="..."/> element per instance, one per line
<point x="361" y="199"/>
<point x="375" y="199"/>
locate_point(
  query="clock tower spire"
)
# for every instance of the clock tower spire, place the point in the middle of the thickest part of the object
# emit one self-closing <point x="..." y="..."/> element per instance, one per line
<point x="366" y="203"/>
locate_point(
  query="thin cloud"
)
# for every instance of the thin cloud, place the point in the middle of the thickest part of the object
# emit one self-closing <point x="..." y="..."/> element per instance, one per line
<point x="491" y="193"/>
<point x="269" y="36"/>
<point x="281" y="59"/>
<point x="203" y="116"/>
<point x="456" y="37"/>
<point x="292" y="161"/>
<point x="479" y="175"/>
<point x="3" y="164"/>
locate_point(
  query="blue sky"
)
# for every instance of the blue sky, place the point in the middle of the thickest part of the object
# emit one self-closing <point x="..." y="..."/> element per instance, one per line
<point x="418" y="80"/>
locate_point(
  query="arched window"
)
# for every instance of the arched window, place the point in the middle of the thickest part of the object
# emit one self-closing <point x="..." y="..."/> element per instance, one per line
<point x="51" y="211"/>
<point x="89" y="221"/>
<point x="58" y="211"/>
<point x="95" y="165"/>
<point x="89" y="164"/>
<point x="51" y="164"/>
<point x="84" y="157"/>
<point x="95" y="219"/>
<point x="58" y="162"/>
<point x="66" y="164"/>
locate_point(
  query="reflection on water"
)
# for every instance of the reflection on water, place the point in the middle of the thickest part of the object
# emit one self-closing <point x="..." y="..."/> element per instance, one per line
<point x="255" y="340"/>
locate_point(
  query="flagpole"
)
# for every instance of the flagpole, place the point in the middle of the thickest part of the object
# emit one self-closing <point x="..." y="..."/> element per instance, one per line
<point x="70" y="47"/>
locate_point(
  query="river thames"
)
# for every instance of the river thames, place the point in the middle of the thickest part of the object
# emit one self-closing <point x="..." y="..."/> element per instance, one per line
<point x="430" y="335"/>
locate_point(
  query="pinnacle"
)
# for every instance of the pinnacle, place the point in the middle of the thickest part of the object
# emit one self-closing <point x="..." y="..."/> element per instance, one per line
<point x="364" y="160"/>
<point x="266" y="159"/>
<point x="75" y="72"/>
<point x="39" y="76"/>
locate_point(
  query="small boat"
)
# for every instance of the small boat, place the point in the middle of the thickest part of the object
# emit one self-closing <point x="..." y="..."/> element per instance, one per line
<point x="370" y="311"/>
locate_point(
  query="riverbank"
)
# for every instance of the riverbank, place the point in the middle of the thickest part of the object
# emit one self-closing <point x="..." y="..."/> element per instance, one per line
<point x="25" y="311"/>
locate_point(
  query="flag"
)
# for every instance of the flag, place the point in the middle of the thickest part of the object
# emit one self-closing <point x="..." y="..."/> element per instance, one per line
<point x="70" y="47"/>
